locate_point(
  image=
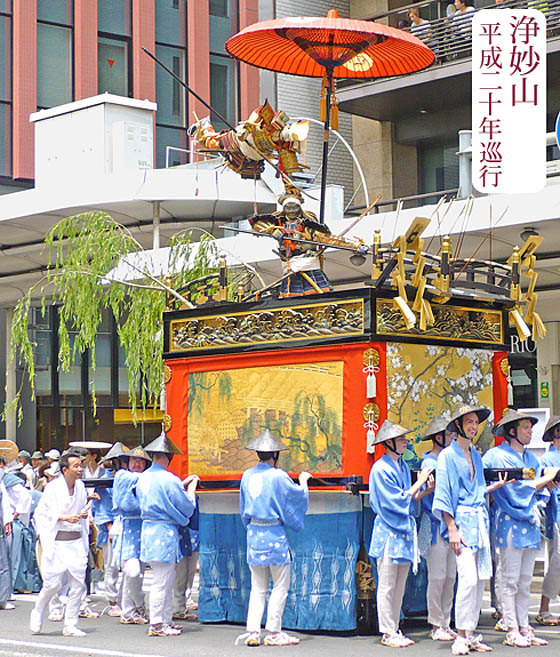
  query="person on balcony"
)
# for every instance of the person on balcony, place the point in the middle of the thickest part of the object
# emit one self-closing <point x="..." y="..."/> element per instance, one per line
<point x="461" y="28"/>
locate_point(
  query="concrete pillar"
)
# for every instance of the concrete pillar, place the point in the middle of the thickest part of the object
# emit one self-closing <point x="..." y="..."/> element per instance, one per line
<point x="24" y="85"/>
<point x="85" y="48"/>
<point x="10" y="379"/>
<point x="548" y="368"/>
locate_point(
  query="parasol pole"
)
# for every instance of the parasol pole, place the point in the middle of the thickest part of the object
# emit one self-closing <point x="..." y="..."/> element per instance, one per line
<point x="186" y="86"/>
<point x="325" y="146"/>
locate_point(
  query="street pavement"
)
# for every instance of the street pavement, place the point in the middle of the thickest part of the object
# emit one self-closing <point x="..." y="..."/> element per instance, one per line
<point x="106" y="637"/>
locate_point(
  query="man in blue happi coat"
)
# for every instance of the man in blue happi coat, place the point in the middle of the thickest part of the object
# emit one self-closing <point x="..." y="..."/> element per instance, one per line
<point x="126" y="546"/>
<point x="166" y="505"/>
<point x="460" y="504"/>
<point x="518" y="532"/>
<point x="103" y="517"/>
<point x="270" y="502"/>
<point x="440" y="558"/>
<point x="393" y="540"/>
<point x="551" y="581"/>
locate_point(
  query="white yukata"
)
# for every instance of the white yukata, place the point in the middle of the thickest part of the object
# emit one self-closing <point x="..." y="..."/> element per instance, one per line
<point x="62" y="557"/>
<point x="551" y="582"/>
<point x="164" y="506"/>
<point x="440" y="560"/>
<point x="126" y="540"/>
<point x="517" y="532"/>
<point x="269" y="502"/>
<point x="464" y="498"/>
<point x="393" y="539"/>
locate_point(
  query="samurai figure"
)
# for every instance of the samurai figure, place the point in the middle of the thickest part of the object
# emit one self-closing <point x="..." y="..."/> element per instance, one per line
<point x="301" y="263"/>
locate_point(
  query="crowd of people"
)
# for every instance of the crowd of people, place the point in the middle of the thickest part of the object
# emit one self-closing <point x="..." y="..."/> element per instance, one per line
<point x="468" y="526"/>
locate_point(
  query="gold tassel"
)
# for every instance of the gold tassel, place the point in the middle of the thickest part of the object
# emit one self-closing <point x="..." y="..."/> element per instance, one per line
<point x="423" y="322"/>
<point x="334" y="113"/>
<point x="522" y="329"/>
<point x="539" y="329"/>
<point x="429" y="313"/>
<point x="407" y="314"/>
<point x="323" y="101"/>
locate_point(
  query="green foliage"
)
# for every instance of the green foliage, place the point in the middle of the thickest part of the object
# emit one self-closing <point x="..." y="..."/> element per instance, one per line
<point x="83" y="251"/>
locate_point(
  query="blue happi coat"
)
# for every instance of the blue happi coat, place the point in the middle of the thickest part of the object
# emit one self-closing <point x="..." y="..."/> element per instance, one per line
<point x="515" y="503"/>
<point x="394" y="527"/>
<point x="429" y="461"/>
<point x="164" y="507"/>
<point x="462" y="496"/>
<point x="269" y="502"/>
<point x="126" y="541"/>
<point x="102" y="509"/>
<point x="551" y="459"/>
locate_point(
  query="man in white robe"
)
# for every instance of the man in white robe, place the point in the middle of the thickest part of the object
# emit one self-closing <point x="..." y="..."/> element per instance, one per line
<point x="61" y="519"/>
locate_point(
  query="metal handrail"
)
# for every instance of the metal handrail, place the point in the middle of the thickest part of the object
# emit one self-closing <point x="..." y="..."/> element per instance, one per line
<point x="451" y="38"/>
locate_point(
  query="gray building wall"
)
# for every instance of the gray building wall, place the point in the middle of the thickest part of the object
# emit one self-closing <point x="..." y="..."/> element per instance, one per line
<point x="299" y="96"/>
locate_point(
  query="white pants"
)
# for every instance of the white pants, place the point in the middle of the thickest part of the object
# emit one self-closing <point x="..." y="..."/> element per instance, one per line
<point x="517" y="573"/>
<point x="186" y="570"/>
<point x="496" y="593"/>
<point x="161" y="592"/>
<point x="111" y="576"/>
<point x="132" y="594"/>
<point x="260" y="579"/>
<point x="390" y="592"/>
<point x="442" y="571"/>
<point x="67" y="566"/>
<point x="551" y="582"/>
<point x="470" y="589"/>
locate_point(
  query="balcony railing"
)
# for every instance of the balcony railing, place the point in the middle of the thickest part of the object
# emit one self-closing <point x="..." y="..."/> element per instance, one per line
<point x="450" y="36"/>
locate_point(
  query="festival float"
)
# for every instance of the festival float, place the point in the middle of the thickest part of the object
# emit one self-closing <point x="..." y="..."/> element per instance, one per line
<point x="323" y="368"/>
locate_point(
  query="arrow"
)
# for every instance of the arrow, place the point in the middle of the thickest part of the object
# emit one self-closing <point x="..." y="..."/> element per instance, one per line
<point x="111" y="62"/>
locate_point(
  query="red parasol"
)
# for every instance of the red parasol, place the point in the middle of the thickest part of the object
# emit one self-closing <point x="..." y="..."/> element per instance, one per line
<point x="330" y="47"/>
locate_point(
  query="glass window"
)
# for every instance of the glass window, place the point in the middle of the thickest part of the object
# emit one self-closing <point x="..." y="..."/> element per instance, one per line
<point x="114" y="16"/>
<point x="222" y="96"/>
<point x="43" y="367"/>
<point x="171" y="22"/>
<point x="70" y="383"/>
<point x="219" y="8"/>
<point x="169" y="93"/>
<point x="439" y="168"/>
<point x="101" y="376"/>
<point x="55" y="11"/>
<point x="222" y="27"/>
<point x="54" y="65"/>
<point x="5" y="58"/>
<point x="112" y="66"/>
<point x="6" y="6"/>
<point x="5" y="140"/>
<point x="176" y="137"/>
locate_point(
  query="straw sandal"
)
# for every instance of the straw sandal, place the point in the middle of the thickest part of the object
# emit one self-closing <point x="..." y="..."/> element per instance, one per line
<point x="280" y="639"/>
<point x="476" y="644"/>
<point x="547" y="619"/>
<point x="516" y="640"/>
